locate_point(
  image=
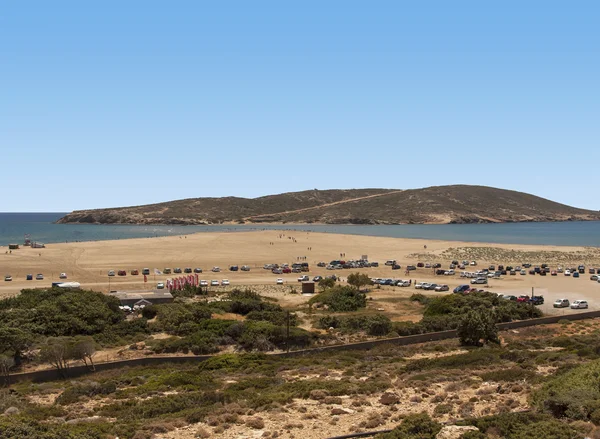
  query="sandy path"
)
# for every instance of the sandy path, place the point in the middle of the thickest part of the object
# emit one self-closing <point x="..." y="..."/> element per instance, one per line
<point x="351" y="200"/>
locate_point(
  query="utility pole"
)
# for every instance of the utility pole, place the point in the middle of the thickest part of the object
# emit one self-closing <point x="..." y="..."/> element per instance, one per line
<point x="287" y="339"/>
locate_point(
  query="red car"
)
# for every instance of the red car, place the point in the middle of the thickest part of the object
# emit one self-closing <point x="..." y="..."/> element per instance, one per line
<point x="287" y="270"/>
<point x="134" y="272"/>
<point x="523" y="298"/>
<point x="553" y="273"/>
<point x="122" y="273"/>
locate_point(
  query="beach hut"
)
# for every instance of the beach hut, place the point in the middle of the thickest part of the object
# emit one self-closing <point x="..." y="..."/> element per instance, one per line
<point x="308" y="288"/>
<point x="13" y="246"/>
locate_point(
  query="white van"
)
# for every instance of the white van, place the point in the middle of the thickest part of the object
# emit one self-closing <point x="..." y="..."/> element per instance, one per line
<point x="390" y="262"/>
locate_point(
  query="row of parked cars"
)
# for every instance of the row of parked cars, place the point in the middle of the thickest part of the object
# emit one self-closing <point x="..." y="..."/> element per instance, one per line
<point x="39" y="276"/>
<point x="339" y="264"/>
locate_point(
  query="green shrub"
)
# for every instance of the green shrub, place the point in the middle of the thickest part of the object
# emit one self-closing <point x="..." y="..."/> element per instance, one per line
<point x="419" y="426"/>
<point x="574" y="394"/>
<point x="341" y="298"/>
<point x="418" y="297"/>
<point x="524" y="426"/>
<point x="377" y="324"/>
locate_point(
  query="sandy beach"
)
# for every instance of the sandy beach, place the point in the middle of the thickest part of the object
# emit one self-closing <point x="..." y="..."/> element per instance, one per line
<point x="89" y="262"/>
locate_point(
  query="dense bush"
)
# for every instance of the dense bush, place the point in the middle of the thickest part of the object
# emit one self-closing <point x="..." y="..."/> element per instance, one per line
<point x="179" y="318"/>
<point x="419" y="426"/>
<point x="574" y="394"/>
<point x="19" y="428"/>
<point x="341" y="298"/>
<point x="523" y="426"/>
<point x="460" y="304"/>
<point x="59" y="312"/>
<point x="372" y="324"/>
<point x="478" y="327"/>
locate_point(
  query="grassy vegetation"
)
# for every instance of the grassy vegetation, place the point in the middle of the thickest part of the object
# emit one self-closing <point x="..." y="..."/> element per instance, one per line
<point x="252" y="390"/>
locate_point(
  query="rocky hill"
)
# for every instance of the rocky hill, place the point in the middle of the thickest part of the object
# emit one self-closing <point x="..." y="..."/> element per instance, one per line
<point x="438" y="204"/>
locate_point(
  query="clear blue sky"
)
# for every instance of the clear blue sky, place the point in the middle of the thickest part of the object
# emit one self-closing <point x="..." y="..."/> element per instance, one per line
<point x="119" y="103"/>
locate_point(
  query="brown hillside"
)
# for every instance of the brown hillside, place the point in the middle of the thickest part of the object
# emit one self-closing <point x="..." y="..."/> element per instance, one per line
<point x="438" y="204"/>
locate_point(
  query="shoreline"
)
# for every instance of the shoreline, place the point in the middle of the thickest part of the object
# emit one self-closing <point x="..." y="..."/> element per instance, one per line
<point x="343" y="229"/>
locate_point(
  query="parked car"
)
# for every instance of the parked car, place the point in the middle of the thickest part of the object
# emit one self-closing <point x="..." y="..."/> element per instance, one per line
<point x="461" y="288"/>
<point x="592" y="270"/>
<point x="166" y="271"/>
<point x="581" y="269"/>
<point x="187" y="270"/>
<point x="177" y="270"/>
<point x="111" y="272"/>
<point x="277" y="271"/>
<point x="479" y="280"/>
<point x="321" y="264"/>
<point x="403" y="283"/>
<point x="39" y="276"/>
<point x="317" y="278"/>
<point x="287" y="270"/>
<point x="594" y="277"/>
<point x="523" y="272"/>
<point x="512" y="272"/>
<point x="214" y="283"/>
<point x="532" y="271"/>
<point x="245" y="268"/>
<point x="390" y="262"/>
<point x="28" y="277"/>
<point x="510" y="297"/>
<point x="135" y="272"/>
<point x="411" y="267"/>
<point x="442" y="288"/>
<point x="523" y="298"/>
<point x="374" y="264"/>
<point x="554" y="273"/>
<point x="214" y="270"/>
<point x="419" y="285"/>
<point x="145" y="271"/>
<point x="576" y="274"/>
<point x="420" y="264"/>
<point x="279" y="281"/>
<point x="567" y="272"/>
<point x="225" y="282"/>
<point x="121" y="273"/>
<point x="62" y="276"/>
<point x="430" y="287"/>
<point x="304" y="278"/>
<point x="537" y="300"/>
<point x="197" y="270"/>
<point x="8" y="278"/>
<point x="396" y="267"/>
<point x="561" y="303"/>
<point x="203" y="283"/>
<point x="160" y="286"/>
<point x="449" y="272"/>
<point x="579" y="304"/>
<point x="526" y="265"/>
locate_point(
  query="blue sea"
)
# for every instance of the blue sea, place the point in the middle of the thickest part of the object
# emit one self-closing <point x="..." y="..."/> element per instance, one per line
<point x="41" y="228"/>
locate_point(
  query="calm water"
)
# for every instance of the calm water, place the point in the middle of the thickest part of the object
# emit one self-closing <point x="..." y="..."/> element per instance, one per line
<point x="13" y="227"/>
